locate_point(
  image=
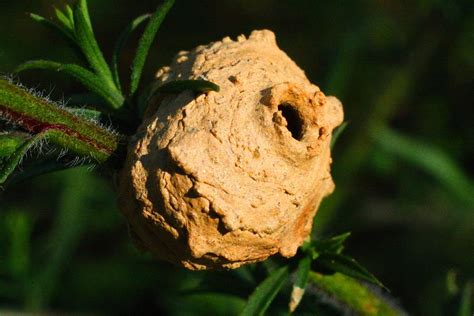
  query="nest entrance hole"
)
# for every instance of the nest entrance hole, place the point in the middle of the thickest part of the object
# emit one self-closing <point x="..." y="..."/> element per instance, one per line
<point x="293" y="119"/>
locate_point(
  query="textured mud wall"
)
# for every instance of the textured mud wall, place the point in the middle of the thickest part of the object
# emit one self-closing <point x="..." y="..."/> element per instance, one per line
<point x="230" y="177"/>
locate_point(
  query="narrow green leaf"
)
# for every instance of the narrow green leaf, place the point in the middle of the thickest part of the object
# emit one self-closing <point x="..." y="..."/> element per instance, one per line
<point x="347" y="266"/>
<point x="121" y="43"/>
<point x="91" y="81"/>
<point x="9" y="163"/>
<point x="70" y="14"/>
<point x="264" y="294"/>
<point x="333" y="244"/>
<point x="465" y="304"/>
<point x="302" y="273"/>
<point x="429" y="158"/>
<point x="86" y="40"/>
<point x="145" y="43"/>
<point x="177" y="86"/>
<point x="68" y="33"/>
<point x="337" y="132"/>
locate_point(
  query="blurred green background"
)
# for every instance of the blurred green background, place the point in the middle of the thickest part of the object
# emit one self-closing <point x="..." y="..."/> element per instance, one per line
<point x="403" y="168"/>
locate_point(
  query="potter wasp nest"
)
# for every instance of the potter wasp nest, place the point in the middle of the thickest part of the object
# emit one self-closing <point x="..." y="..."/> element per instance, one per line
<point x="222" y="179"/>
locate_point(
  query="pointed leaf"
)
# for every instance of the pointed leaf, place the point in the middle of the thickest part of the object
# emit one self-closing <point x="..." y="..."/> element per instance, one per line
<point x="302" y="273"/>
<point x="121" y="43"/>
<point x="65" y="20"/>
<point x="145" y="43"/>
<point x="333" y="244"/>
<point x="10" y="162"/>
<point x="84" y="76"/>
<point x="70" y="14"/>
<point x="337" y="132"/>
<point x="347" y="266"/>
<point x="86" y="40"/>
<point x="54" y="26"/>
<point x="264" y="294"/>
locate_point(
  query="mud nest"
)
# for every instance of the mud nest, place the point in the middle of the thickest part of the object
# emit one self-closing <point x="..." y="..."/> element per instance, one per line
<point x="226" y="178"/>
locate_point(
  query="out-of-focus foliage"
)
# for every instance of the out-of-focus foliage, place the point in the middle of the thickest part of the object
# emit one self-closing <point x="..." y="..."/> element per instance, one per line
<point x="403" y="167"/>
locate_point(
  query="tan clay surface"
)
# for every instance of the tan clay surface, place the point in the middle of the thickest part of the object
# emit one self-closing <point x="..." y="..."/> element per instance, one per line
<point x="231" y="177"/>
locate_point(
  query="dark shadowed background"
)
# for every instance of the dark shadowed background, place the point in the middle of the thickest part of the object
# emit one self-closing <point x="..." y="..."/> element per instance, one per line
<point x="403" y="168"/>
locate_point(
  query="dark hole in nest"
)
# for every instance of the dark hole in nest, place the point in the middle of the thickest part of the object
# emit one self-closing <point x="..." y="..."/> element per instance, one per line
<point x="294" y="120"/>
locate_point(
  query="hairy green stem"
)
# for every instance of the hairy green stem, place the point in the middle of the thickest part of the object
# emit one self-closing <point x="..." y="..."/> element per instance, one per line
<point x="45" y="119"/>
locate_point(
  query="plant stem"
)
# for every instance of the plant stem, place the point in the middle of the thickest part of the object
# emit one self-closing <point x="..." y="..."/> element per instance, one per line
<point x="41" y="117"/>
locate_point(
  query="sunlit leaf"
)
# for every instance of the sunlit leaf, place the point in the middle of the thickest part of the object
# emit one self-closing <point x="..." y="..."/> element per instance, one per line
<point x="264" y="294"/>
<point x="145" y="43"/>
